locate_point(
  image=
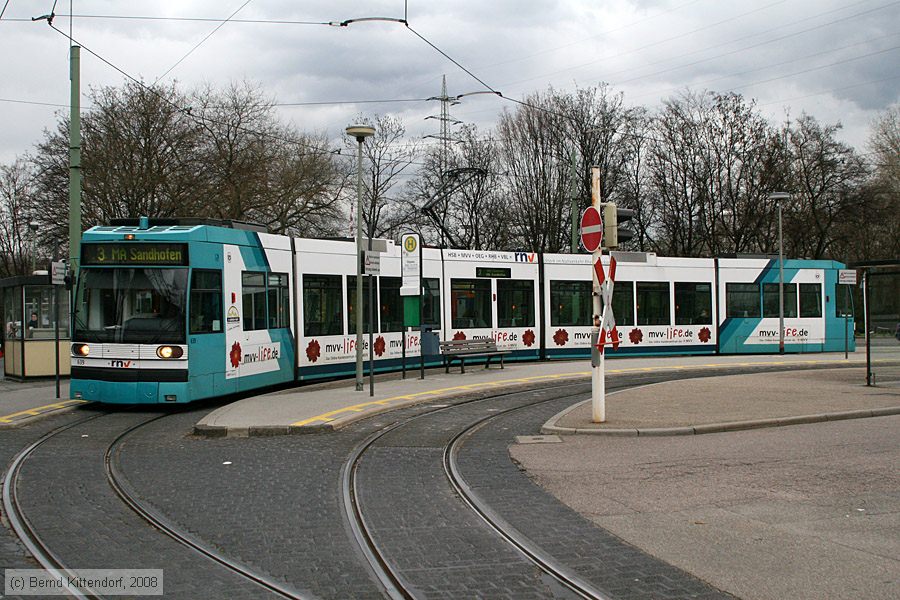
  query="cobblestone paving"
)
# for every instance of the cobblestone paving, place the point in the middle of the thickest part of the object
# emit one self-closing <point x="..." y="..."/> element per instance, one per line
<point x="12" y="553"/>
<point x="276" y="506"/>
<point x="65" y="495"/>
<point x="615" y="567"/>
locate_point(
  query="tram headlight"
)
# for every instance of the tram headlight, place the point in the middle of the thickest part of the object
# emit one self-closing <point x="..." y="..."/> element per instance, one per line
<point x="81" y="349"/>
<point x="169" y="352"/>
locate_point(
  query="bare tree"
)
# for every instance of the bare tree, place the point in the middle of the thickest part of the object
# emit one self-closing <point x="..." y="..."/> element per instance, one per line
<point x="825" y="175"/>
<point x="18" y="242"/>
<point x="138" y="158"/>
<point x="534" y="156"/>
<point x="145" y="153"/>
<point x="389" y="156"/>
<point x="678" y="178"/>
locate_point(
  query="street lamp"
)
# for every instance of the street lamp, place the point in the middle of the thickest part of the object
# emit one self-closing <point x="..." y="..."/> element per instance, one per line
<point x="360" y="132"/>
<point x="778" y="197"/>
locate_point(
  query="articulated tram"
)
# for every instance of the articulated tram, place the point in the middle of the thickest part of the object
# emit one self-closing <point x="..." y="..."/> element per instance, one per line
<point x="171" y="311"/>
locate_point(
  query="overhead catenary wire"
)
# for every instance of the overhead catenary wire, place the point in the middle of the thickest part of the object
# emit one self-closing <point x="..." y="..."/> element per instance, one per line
<point x="187" y="110"/>
<point x="200" y="43"/>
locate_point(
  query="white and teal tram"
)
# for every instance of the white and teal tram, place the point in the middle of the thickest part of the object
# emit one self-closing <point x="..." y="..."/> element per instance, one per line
<point x="179" y="310"/>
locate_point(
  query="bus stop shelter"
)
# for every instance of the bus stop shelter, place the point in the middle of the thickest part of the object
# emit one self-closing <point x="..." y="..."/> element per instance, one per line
<point x="28" y="327"/>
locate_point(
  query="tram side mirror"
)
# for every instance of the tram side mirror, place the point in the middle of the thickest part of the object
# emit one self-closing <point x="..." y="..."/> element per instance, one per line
<point x="69" y="281"/>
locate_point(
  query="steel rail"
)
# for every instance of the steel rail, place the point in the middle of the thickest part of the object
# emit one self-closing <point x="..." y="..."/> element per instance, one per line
<point x="533" y="552"/>
<point x="394" y="583"/>
<point x="20" y="523"/>
<point x="157" y="520"/>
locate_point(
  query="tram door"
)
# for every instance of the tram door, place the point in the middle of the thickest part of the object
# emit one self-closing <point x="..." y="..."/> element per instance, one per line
<point x="206" y="333"/>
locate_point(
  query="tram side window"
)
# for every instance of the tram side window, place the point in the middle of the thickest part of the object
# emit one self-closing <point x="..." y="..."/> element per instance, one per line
<point x="570" y="303"/>
<point x="279" y="301"/>
<point x="810" y="300"/>
<point x="515" y="303"/>
<point x="470" y="303"/>
<point x="431" y="308"/>
<point x="653" y="303"/>
<point x="391" y="304"/>
<point x="771" y="302"/>
<point x="351" y="304"/>
<point x="253" y="294"/>
<point x="623" y="302"/>
<point x="206" y="301"/>
<point x="322" y="305"/>
<point x="742" y="300"/>
<point x="693" y="303"/>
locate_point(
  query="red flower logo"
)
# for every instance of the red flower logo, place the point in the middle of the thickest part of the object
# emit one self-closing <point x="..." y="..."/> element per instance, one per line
<point x="636" y="336"/>
<point x="379" y="346"/>
<point x="312" y="351"/>
<point x="459" y="335"/>
<point x="561" y="337"/>
<point x="704" y="335"/>
<point x="528" y="338"/>
<point x="235" y="355"/>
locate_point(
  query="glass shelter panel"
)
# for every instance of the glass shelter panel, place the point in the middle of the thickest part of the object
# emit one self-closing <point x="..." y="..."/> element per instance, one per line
<point x="12" y="313"/>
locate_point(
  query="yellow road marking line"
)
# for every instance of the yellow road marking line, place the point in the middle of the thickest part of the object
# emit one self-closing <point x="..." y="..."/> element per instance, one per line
<point x="357" y="408"/>
<point x="39" y="410"/>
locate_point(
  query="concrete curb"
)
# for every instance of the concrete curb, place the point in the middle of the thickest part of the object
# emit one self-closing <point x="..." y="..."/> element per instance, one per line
<point x="550" y="428"/>
<point x="222" y="431"/>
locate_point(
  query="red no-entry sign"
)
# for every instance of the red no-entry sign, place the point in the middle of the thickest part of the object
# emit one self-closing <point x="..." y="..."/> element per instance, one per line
<point x="591" y="229"/>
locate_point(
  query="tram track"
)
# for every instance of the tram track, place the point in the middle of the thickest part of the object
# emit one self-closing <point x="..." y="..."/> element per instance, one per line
<point x="159" y="521"/>
<point x="394" y="583"/>
<point x="27" y="528"/>
<point x="19" y="521"/>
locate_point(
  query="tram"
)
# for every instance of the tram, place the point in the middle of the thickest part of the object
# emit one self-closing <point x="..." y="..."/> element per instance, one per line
<point x="172" y="311"/>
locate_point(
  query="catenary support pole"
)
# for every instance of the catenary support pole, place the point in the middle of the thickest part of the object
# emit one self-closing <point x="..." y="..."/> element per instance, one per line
<point x="74" y="160"/>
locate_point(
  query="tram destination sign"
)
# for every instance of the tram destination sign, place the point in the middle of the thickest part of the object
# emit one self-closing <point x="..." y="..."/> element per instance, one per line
<point x="134" y="253"/>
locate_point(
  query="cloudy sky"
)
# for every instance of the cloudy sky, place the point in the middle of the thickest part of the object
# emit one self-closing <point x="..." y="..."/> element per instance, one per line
<point x="835" y="59"/>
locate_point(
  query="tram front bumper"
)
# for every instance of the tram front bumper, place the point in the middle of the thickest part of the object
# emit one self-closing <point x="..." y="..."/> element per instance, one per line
<point x="128" y="392"/>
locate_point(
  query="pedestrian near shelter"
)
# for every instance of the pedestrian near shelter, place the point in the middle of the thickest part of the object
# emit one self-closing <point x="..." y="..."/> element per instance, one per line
<point x="28" y="327"/>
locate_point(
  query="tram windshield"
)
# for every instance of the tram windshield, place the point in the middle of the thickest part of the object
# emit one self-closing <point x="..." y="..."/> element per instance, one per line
<point x="131" y="306"/>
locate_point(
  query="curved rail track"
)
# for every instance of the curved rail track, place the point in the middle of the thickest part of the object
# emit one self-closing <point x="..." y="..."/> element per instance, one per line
<point x="393" y="582"/>
<point x="53" y="563"/>
<point x="19" y="521"/>
<point x="157" y="520"/>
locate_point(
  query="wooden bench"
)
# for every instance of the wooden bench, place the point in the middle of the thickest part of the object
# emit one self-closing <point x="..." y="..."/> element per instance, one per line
<point x="462" y="349"/>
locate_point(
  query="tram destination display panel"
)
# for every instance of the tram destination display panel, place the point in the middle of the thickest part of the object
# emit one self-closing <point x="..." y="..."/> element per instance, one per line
<point x="134" y="253"/>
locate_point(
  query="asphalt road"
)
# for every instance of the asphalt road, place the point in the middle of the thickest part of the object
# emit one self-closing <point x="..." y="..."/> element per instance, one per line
<point x="802" y="512"/>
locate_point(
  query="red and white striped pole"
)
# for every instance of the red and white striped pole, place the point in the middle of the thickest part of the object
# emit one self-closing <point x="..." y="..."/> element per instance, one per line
<point x="598" y="374"/>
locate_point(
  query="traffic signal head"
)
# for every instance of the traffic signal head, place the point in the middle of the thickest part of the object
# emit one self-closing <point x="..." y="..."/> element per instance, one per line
<point x="614" y="233"/>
